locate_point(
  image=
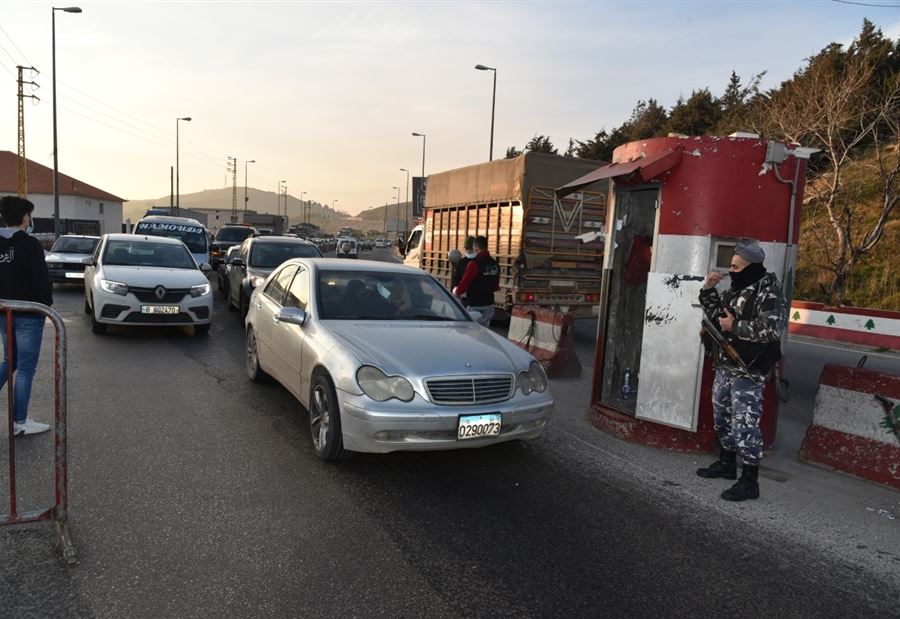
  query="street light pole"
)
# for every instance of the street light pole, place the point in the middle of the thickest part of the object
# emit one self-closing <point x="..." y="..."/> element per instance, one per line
<point x="278" y="203"/>
<point x="397" y="220"/>
<point x="246" y="199"/>
<point x="422" y="185"/>
<point x="406" y="204"/>
<point x="56" y="227"/>
<point x="481" y="67"/>
<point x="303" y="208"/>
<point x="177" y="168"/>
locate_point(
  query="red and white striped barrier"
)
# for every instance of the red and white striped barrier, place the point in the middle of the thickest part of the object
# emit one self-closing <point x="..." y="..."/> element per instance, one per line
<point x="549" y="336"/>
<point x="846" y="324"/>
<point x="851" y="429"/>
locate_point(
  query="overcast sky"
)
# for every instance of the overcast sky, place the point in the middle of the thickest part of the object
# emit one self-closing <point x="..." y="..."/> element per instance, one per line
<point x="325" y="95"/>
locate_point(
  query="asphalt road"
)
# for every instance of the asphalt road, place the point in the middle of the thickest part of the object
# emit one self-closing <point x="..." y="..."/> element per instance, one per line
<point x="195" y="493"/>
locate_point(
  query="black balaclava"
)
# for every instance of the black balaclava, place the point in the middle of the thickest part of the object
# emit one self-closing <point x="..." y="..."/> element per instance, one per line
<point x="747" y="276"/>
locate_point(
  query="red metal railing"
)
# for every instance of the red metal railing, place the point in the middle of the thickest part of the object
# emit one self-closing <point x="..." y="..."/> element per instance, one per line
<point x="59" y="511"/>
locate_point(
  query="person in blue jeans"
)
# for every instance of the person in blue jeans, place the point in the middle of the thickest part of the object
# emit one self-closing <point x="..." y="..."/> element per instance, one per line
<point x="23" y="277"/>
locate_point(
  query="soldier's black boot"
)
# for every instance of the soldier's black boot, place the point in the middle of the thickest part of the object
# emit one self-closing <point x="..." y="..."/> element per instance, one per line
<point x="725" y="467"/>
<point x="747" y="487"/>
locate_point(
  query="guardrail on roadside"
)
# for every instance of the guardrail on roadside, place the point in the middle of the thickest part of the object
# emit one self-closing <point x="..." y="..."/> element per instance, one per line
<point x="59" y="511"/>
<point x="855" y="325"/>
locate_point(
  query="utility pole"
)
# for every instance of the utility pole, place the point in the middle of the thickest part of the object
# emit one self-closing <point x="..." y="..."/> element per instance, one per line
<point x="171" y="189"/>
<point x="232" y="167"/>
<point x="384" y="227"/>
<point x="21" y="162"/>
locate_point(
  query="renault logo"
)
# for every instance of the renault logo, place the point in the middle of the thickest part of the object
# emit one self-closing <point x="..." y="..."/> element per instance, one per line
<point x="159" y="292"/>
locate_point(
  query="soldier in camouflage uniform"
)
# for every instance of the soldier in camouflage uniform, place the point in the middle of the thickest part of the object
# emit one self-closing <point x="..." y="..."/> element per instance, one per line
<point x="752" y="314"/>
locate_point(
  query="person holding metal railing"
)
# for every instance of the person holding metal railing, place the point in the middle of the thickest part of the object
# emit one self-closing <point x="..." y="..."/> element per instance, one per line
<point x="23" y="277"/>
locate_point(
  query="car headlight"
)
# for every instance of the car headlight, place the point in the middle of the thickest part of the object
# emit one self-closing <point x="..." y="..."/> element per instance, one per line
<point x="114" y="287"/>
<point x="199" y="290"/>
<point x="381" y="387"/>
<point x="256" y="281"/>
<point x="535" y="379"/>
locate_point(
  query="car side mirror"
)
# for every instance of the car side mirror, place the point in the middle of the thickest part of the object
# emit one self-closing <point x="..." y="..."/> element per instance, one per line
<point x="291" y="315"/>
<point x="205" y="267"/>
<point x="88" y="260"/>
<point x="237" y="262"/>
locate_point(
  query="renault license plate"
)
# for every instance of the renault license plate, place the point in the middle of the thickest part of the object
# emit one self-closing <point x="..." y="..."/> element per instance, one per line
<point x="75" y="275"/>
<point x="478" y="426"/>
<point x="159" y="309"/>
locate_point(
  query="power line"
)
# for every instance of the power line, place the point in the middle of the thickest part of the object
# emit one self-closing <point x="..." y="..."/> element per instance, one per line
<point x="884" y="6"/>
<point x="14" y="45"/>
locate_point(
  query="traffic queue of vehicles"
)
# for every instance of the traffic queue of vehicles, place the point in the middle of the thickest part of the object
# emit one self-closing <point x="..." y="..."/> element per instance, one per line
<point x="382" y="357"/>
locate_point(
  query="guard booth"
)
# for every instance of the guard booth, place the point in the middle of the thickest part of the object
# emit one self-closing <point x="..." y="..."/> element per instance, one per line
<point x="678" y="206"/>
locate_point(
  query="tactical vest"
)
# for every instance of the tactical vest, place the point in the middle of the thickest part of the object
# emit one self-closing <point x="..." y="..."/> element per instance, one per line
<point x="481" y="290"/>
<point x="761" y="356"/>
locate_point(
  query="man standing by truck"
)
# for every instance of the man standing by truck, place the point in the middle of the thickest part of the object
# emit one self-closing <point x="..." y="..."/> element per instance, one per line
<point x="480" y="281"/>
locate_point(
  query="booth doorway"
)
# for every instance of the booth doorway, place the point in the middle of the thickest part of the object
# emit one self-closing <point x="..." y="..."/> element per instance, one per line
<point x="629" y="245"/>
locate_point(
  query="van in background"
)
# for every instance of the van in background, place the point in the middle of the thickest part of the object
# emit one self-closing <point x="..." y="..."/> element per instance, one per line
<point x="189" y="231"/>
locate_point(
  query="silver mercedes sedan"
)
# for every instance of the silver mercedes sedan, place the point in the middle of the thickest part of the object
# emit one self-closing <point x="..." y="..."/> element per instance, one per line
<point x="385" y="359"/>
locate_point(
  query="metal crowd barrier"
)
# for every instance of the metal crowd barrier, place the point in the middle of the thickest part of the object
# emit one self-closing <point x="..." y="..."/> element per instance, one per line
<point x="59" y="511"/>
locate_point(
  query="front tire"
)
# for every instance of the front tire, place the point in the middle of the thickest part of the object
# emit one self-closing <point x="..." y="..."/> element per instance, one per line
<point x="242" y="306"/>
<point x="96" y="327"/>
<point x="254" y="371"/>
<point x="325" y="421"/>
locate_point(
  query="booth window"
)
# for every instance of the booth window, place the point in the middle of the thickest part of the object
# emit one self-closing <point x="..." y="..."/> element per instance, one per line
<point x="724" y="251"/>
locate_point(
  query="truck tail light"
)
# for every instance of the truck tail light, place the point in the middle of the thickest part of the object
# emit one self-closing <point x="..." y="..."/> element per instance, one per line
<point x="526" y="297"/>
<point x="591" y="298"/>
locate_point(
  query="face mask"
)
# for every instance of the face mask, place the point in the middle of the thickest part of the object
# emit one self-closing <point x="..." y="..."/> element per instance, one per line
<point x="30" y="228"/>
<point x="470" y="255"/>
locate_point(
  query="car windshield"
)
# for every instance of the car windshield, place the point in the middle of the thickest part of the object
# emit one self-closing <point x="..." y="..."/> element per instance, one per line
<point x="233" y="234"/>
<point x="72" y="245"/>
<point x="270" y="255"/>
<point x="192" y="236"/>
<point x="373" y="295"/>
<point x="148" y="254"/>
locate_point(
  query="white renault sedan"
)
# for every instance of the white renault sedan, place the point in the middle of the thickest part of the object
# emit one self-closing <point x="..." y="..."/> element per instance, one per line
<point x="385" y="359"/>
<point x="145" y="280"/>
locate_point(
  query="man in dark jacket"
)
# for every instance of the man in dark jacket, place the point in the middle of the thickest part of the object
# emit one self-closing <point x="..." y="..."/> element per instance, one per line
<point x="479" y="281"/>
<point x="752" y="315"/>
<point x="459" y="266"/>
<point x="23" y="277"/>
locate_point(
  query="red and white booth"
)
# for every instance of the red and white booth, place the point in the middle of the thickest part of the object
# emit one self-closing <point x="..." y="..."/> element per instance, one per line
<point x="678" y="205"/>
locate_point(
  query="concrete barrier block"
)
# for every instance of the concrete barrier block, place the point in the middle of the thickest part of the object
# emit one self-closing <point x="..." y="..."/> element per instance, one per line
<point x="549" y="336"/>
<point x="851" y="430"/>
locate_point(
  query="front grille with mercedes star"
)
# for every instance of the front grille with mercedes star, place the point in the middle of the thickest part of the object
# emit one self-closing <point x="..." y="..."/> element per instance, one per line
<point x="469" y="390"/>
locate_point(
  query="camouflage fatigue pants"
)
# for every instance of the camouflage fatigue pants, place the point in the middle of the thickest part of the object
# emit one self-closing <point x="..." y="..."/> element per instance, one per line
<point x="737" y="407"/>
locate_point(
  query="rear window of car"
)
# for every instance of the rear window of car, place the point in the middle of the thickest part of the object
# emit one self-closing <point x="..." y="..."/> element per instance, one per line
<point x="270" y="255"/>
<point x="233" y="234"/>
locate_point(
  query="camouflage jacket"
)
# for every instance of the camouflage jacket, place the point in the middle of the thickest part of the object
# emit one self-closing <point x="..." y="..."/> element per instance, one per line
<point x="760" y="312"/>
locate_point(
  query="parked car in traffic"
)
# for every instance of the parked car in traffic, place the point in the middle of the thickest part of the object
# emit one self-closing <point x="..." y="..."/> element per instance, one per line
<point x="228" y="236"/>
<point x="223" y="267"/>
<point x="65" y="262"/>
<point x="347" y="247"/>
<point x="146" y="280"/>
<point x="385" y="359"/>
<point x="255" y="260"/>
<point x="380" y="243"/>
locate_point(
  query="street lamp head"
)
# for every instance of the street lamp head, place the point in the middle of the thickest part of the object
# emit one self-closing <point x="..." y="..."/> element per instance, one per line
<point x="68" y="9"/>
<point x="251" y="161"/>
<point x="186" y="118"/>
<point x="482" y="67"/>
<point x="404" y="170"/>
<point x="419" y="135"/>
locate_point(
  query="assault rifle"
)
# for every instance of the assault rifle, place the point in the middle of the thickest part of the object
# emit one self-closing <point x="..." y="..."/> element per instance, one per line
<point x="722" y="342"/>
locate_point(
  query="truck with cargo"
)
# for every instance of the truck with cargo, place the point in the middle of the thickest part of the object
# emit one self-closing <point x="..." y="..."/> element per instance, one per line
<point x="533" y="235"/>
